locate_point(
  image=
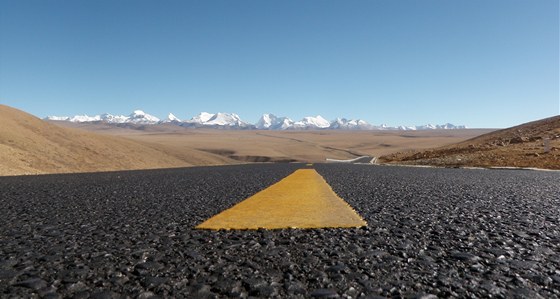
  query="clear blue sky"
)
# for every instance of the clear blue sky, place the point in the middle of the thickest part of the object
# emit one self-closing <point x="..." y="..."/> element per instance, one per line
<point x="482" y="63"/>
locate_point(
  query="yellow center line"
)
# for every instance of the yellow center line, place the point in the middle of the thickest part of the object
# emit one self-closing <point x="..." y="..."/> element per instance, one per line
<point x="300" y="200"/>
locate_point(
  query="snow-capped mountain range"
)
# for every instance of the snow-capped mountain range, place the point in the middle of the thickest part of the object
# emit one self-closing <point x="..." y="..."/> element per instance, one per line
<point x="136" y="117"/>
<point x="233" y="121"/>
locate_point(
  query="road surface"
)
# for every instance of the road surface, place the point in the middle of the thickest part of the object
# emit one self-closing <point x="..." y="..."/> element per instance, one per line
<point x="430" y="232"/>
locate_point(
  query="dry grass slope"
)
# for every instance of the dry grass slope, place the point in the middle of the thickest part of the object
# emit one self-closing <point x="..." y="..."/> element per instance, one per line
<point x="519" y="146"/>
<point x="29" y="145"/>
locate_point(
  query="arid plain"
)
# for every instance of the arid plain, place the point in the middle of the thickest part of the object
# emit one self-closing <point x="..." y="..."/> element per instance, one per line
<point x="280" y="146"/>
<point x="29" y="145"/>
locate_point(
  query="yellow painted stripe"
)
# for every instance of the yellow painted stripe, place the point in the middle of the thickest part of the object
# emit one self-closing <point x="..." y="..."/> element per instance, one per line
<point x="300" y="200"/>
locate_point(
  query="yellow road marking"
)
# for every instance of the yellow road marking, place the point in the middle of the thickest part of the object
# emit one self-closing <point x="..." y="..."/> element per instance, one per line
<point x="300" y="200"/>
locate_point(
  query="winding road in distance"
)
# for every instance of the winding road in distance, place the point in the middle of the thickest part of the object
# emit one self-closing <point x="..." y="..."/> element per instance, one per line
<point x="430" y="232"/>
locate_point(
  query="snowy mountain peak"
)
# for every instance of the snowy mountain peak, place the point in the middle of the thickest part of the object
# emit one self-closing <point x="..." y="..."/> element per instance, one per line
<point x="172" y="118"/>
<point x="225" y="119"/>
<point x="219" y="119"/>
<point x="272" y="122"/>
<point x="58" y="118"/>
<point x="141" y="117"/>
<point x="266" y="121"/>
<point x="447" y="126"/>
<point x="84" y="118"/>
<point x="114" y="119"/>
<point x="138" y="117"/>
<point x="317" y="122"/>
<point x="201" y="118"/>
<point x="350" y="124"/>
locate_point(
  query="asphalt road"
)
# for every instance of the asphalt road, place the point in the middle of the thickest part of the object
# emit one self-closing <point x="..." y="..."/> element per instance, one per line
<point x="431" y="232"/>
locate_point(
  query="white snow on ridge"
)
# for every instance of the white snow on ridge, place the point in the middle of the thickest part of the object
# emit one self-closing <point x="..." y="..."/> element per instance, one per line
<point x="141" y="117"/>
<point x="172" y="118"/>
<point x="201" y="118"/>
<point x="219" y="119"/>
<point x="352" y="124"/>
<point x="113" y="119"/>
<point x="447" y="126"/>
<point x="224" y="119"/>
<point x="273" y="122"/>
<point x="58" y="118"/>
<point x="266" y="121"/>
<point x="137" y="117"/>
<point x="84" y="118"/>
<point x="311" y="122"/>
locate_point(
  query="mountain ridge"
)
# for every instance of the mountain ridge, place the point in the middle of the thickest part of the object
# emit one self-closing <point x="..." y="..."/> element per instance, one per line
<point x="267" y="121"/>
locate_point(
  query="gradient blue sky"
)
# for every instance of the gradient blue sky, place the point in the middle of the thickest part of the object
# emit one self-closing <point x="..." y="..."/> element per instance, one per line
<point x="482" y="63"/>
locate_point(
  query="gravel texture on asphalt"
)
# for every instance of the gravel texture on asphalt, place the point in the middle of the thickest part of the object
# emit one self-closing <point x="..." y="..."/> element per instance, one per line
<point x="431" y="233"/>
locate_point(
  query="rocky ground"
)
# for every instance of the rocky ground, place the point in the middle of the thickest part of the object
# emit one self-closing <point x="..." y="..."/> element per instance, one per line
<point x="535" y="144"/>
<point x="431" y="232"/>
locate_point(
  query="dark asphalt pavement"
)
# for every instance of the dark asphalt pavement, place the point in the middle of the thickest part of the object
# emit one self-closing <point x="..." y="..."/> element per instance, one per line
<point x="431" y="232"/>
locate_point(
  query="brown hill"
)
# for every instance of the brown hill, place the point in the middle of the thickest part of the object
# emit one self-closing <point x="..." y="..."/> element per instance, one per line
<point x="29" y="145"/>
<point x="519" y="146"/>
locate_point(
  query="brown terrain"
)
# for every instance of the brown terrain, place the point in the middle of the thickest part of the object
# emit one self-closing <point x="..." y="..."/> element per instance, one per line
<point x="29" y="145"/>
<point x="242" y="146"/>
<point x="519" y="146"/>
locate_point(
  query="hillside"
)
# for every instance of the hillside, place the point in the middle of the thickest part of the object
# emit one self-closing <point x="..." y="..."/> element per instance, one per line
<point x="519" y="146"/>
<point x="29" y="145"/>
